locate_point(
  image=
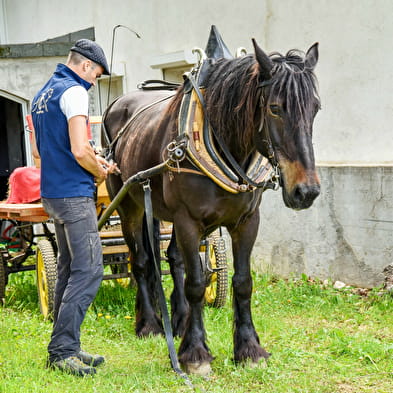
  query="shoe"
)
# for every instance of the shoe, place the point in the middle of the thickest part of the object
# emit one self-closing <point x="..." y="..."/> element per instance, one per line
<point x="72" y="365"/>
<point x="90" y="360"/>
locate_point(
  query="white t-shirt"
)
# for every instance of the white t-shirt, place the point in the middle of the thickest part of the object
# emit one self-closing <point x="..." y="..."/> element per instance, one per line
<point x="74" y="102"/>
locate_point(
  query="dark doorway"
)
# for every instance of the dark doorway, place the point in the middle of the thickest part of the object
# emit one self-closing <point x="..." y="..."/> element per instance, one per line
<point x="12" y="143"/>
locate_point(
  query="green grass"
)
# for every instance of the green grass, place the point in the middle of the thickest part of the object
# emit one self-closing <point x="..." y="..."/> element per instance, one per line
<point x="321" y="340"/>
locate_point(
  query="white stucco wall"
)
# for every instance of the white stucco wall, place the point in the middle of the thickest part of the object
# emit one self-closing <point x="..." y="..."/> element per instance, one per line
<point x="355" y="52"/>
<point x="355" y="73"/>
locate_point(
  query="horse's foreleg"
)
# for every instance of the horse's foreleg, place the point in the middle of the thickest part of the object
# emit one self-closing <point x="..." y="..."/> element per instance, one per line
<point x="179" y="305"/>
<point x="246" y="340"/>
<point x="194" y="354"/>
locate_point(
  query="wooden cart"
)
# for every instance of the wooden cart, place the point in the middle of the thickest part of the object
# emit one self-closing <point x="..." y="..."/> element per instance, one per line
<point x="42" y="243"/>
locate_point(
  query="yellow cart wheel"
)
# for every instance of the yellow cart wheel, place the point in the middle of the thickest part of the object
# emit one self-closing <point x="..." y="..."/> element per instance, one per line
<point x="125" y="282"/>
<point x="217" y="282"/>
<point x="46" y="273"/>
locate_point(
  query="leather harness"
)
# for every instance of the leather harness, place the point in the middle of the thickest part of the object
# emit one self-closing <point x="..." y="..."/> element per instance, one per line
<point x="195" y="142"/>
<point x="195" y="126"/>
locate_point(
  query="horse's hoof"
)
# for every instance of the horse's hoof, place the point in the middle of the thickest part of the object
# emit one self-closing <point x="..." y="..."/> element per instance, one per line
<point x="149" y="330"/>
<point x="197" y="368"/>
<point x="262" y="363"/>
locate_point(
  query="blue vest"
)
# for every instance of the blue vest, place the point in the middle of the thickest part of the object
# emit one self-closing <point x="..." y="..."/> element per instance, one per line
<point x="61" y="175"/>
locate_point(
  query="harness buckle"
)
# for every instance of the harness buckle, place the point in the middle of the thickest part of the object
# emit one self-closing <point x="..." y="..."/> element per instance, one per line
<point x="275" y="179"/>
<point x="146" y="185"/>
<point x="177" y="151"/>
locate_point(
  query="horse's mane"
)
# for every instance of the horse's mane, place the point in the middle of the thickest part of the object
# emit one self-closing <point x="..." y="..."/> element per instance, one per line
<point x="232" y="93"/>
<point x="232" y="97"/>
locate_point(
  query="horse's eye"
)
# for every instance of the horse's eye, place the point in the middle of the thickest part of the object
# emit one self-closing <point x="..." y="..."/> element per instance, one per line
<point x="275" y="109"/>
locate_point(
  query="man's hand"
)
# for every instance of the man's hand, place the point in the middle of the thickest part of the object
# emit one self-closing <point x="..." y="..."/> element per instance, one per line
<point x="84" y="153"/>
<point x="106" y="168"/>
<point x="110" y="166"/>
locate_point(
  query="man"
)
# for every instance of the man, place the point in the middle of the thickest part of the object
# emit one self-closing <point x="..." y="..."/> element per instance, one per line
<point x="69" y="171"/>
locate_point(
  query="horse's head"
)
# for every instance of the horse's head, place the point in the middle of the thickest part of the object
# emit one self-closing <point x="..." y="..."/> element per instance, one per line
<point x="289" y="103"/>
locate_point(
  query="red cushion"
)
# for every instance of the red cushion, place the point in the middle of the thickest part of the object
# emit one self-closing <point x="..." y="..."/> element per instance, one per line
<point x="24" y="185"/>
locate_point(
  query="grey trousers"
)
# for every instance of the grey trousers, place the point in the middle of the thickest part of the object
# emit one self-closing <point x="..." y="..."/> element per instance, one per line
<point x="79" y="270"/>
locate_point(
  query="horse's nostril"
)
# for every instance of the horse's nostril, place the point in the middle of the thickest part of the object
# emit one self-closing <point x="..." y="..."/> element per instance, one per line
<point x="316" y="190"/>
<point x="300" y="192"/>
<point x="304" y="193"/>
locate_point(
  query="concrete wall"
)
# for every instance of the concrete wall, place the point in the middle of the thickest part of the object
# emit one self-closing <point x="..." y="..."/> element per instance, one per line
<point x="346" y="235"/>
<point x="24" y="78"/>
<point x="353" y="138"/>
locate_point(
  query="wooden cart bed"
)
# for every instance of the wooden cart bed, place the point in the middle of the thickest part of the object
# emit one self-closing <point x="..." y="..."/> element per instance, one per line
<point x="34" y="212"/>
<point x="29" y="212"/>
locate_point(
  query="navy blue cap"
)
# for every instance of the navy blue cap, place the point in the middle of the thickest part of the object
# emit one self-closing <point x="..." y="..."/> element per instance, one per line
<point x="92" y="51"/>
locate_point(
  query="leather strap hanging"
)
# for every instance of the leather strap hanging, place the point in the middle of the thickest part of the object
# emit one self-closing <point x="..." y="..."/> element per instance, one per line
<point x="161" y="295"/>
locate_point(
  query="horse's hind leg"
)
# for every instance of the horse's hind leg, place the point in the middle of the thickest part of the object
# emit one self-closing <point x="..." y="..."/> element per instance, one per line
<point x="146" y="274"/>
<point x="246" y="340"/>
<point x="179" y="305"/>
<point x="147" y="320"/>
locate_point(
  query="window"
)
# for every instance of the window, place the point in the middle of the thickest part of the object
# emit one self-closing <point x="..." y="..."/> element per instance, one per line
<point x="173" y="65"/>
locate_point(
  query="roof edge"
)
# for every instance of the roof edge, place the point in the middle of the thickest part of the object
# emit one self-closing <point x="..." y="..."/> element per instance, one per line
<point x="58" y="46"/>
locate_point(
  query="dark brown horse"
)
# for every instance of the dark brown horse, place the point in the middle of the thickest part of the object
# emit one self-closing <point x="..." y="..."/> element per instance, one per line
<point x="255" y="102"/>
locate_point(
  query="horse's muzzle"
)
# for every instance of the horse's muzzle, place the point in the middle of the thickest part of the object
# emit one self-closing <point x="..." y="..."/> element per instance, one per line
<point x="302" y="196"/>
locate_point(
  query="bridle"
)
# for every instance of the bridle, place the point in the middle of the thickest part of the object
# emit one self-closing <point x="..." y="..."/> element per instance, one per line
<point x="264" y="135"/>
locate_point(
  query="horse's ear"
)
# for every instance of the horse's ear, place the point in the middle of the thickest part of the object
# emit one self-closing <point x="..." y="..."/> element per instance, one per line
<point x="312" y="57"/>
<point x="265" y="64"/>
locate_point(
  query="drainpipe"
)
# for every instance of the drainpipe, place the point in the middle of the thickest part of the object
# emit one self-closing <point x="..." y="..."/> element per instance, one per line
<point x="3" y="23"/>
